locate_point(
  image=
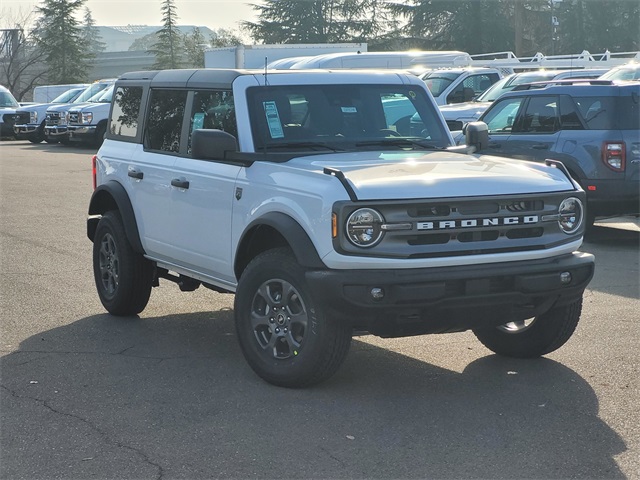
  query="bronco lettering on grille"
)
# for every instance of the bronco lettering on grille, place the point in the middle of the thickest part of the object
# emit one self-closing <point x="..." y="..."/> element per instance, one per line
<point x="477" y="222"/>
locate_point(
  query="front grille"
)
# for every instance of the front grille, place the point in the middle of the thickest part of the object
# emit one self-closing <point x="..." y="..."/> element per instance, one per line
<point x="22" y="118"/>
<point x="73" y="117"/>
<point x="9" y="119"/>
<point x="461" y="226"/>
<point x="53" y="118"/>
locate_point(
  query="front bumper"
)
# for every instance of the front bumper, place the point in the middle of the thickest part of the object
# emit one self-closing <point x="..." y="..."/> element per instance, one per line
<point x="56" y="130"/>
<point x="25" y="131"/>
<point x="450" y="299"/>
<point x="82" y="133"/>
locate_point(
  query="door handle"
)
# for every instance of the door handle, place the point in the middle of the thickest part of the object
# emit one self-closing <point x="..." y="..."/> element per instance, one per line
<point x="541" y="146"/>
<point x="180" y="183"/>
<point x="135" y="174"/>
<point x="494" y="145"/>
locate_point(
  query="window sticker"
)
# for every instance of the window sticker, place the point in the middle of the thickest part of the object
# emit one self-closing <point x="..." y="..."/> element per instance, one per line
<point x="349" y="109"/>
<point x="273" y="119"/>
<point x="198" y="121"/>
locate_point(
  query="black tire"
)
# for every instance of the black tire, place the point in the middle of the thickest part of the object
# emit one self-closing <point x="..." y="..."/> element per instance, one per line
<point x="39" y="137"/>
<point x="284" y="334"/>
<point x="541" y="335"/>
<point x="100" y="132"/>
<point x="123" y="277"/>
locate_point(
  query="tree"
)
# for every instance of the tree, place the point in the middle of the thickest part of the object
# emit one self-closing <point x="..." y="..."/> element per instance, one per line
<point x="22" y="64"/>
<point x="168" y="45"/>
<point x="91" y="34"/>
<point x="318" y="21"/>
<point x="194" y="46"/>
<point x="225" y="38"/>
<point x="59" y="36"/>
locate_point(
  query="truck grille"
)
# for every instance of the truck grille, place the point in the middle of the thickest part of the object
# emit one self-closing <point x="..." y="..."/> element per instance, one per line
<point x="22" y="118"/>
<point x="9" y="119"/>
<point x="461" y="226"/>
<point x="55" y="118"/>
<point x="73" y="118"/>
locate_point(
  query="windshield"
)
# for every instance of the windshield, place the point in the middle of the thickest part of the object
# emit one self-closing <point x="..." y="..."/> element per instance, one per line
<point x="90" y="92"/>
<point x="624" y="74"/>
<point x="344" y="117"/>
<point x="512" y="81"/>
<point x="7" y="100"/>
<point x="104" y="96"/>
<point x="437" y="82"/>
<point x="68" y="96"/>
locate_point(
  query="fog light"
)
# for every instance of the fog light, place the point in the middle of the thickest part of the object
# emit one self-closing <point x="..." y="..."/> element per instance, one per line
<point x="377" y="293"/>
<point x="565" y="277"/>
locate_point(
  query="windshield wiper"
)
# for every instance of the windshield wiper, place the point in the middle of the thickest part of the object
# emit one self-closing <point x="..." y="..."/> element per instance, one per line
<point x="399" y="142"/>
<point x="294" y="145"/>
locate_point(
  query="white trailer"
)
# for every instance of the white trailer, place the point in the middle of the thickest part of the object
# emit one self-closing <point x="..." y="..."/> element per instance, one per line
<point x="46" y="93"/>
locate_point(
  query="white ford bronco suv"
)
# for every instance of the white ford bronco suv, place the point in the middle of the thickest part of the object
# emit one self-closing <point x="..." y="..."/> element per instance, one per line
<point x="313" y="198"/>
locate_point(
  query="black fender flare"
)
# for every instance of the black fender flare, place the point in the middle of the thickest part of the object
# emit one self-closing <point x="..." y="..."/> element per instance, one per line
<point x="297" y="238"/>
<point x="113" y="196"/>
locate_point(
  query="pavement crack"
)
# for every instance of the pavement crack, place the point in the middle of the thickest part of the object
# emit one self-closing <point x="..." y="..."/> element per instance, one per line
<point x="104" y="435"/>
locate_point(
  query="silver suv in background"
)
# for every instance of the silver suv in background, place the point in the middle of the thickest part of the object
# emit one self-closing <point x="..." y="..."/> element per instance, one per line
<point x="626" y="73"/>
<point x="56" y="117"/>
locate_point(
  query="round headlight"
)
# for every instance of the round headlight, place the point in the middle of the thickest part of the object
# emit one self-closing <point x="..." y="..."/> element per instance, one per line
<point x="571" y="213"/>
<point x="364" y="227"/>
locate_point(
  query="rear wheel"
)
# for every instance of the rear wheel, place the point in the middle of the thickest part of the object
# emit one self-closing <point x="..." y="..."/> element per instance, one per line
<point x="533" y="337"/>
<point x="286" y="337"/>
<point x="123" y="277"/>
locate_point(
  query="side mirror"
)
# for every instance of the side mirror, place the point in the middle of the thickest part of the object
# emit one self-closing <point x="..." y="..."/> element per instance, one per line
<point x="477" y="135"/>
<point x="212" y="144"/>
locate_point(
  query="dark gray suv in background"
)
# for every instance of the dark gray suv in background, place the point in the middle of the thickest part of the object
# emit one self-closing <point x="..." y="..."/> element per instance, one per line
<point x="591" y="126"/>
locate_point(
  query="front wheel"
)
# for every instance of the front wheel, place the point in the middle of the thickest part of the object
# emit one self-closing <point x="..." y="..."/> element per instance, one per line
<point x="286" y="338"/>
<point x="123" y="276"/>
<point x="534" y="337"/>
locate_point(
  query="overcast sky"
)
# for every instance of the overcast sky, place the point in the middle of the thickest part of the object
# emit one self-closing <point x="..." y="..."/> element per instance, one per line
<point x="214" y="14"/>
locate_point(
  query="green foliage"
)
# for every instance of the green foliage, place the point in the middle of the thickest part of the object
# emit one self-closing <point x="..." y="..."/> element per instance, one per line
<point x="169" y="42"/>
<point x="318" y="21"/>
<point x="194" y="46"/>
<point x="225" y="38"/>
<point x="59" y="36"/>
<point x="474" y="26"/>
<point x="91" y="34"/>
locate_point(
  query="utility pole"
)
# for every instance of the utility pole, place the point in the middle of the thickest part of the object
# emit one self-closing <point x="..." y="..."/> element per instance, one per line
<point x="554" y="26"/>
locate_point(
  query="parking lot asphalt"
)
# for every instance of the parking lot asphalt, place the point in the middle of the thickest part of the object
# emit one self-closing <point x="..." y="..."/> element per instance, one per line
<point x="169" y="395"/>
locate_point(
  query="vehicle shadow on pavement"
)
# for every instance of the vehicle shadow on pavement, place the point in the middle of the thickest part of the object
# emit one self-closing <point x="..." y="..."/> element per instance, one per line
<point x="172" y="397"/>
<point x="610" y="246"/>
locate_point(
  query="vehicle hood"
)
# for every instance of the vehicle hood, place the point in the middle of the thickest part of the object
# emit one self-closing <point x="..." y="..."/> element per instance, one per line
<point x="408" y="175"/>
<point x="90" y="107"/>
<point x="469" y="109"/>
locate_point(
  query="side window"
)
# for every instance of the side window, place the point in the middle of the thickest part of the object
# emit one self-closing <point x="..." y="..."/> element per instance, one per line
<point x="164" y="126"/>
<point x="213" y="110"/>
<point x="569" y="118"/>
<point x="126" y="108"/>
<point x="502" y="116"/>
<point x="541" y="115"/>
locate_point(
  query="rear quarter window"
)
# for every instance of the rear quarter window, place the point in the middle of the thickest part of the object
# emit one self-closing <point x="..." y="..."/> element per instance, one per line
<point x="125" y="112"/>
<point x="609" y="113"/>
